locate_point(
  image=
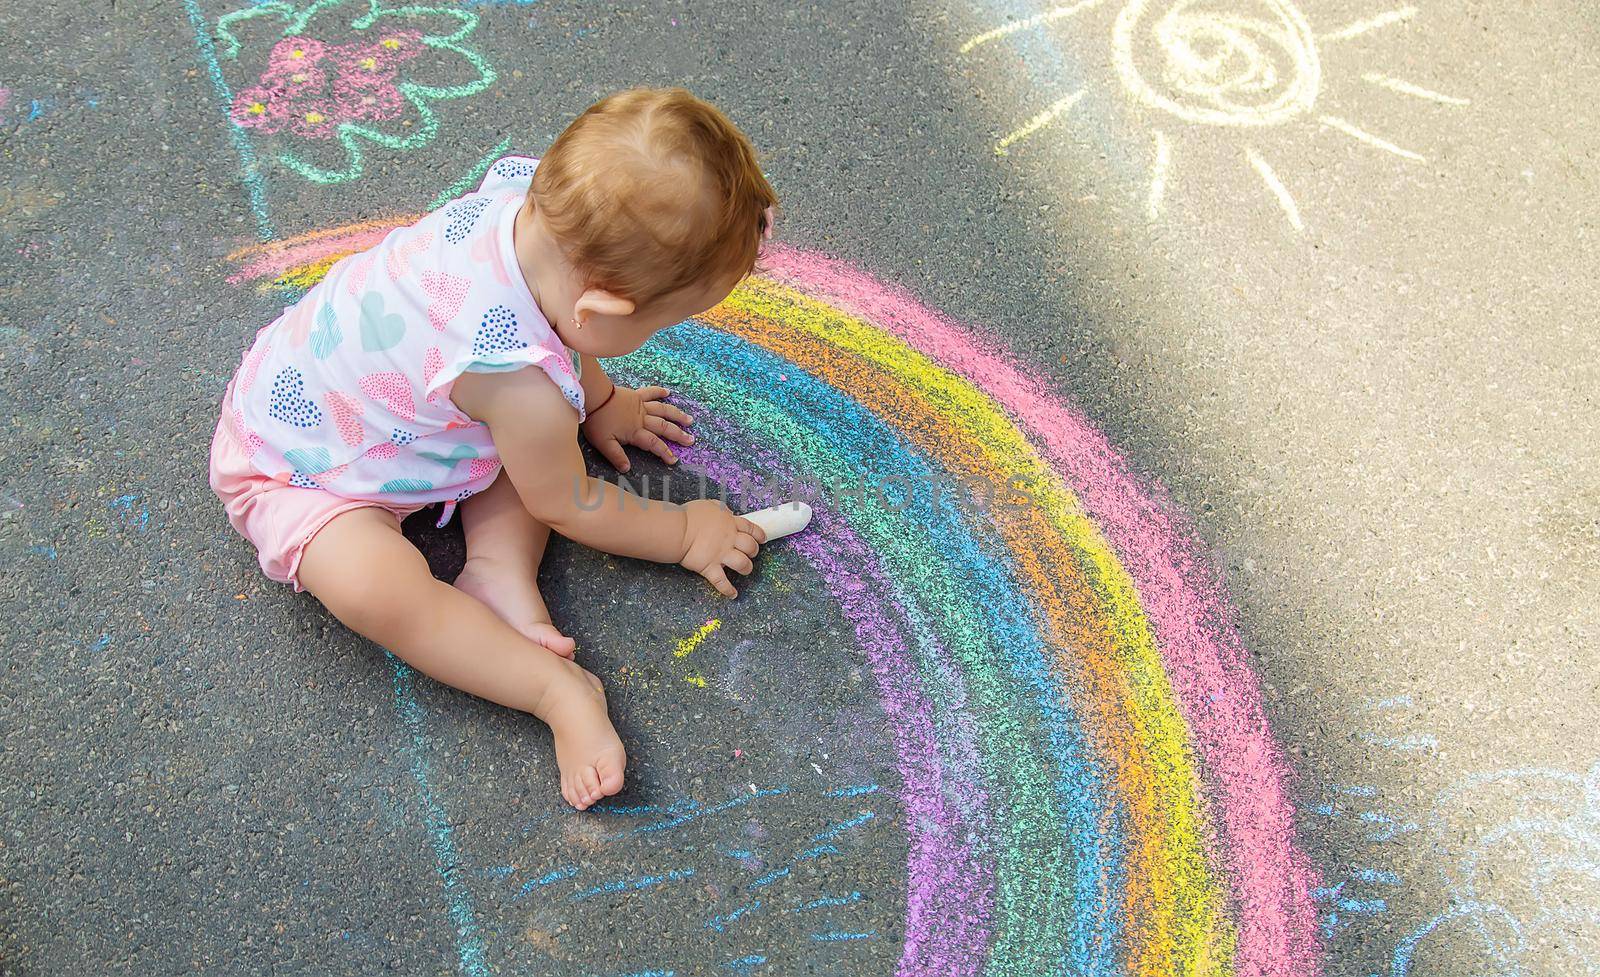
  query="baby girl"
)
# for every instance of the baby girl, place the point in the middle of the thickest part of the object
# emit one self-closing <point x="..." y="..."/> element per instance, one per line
<point x="456" y="361"/>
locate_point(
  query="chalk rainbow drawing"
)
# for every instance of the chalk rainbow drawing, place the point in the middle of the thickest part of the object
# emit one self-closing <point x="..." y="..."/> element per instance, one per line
<point x="322" y="92"/>
<point x="1087" y="777"/>
<point x="1245" y="64"/>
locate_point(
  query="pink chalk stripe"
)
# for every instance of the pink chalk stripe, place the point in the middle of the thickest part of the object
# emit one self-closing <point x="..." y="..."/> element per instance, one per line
<point x="1269" y="878"/>
<point x="274" y="263"/>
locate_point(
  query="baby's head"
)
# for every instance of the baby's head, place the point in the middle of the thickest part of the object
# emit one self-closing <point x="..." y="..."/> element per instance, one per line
<point x="655" y="208"/>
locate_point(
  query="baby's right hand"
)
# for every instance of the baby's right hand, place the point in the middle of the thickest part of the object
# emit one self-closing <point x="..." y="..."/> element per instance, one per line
<point x="714" y="538"/>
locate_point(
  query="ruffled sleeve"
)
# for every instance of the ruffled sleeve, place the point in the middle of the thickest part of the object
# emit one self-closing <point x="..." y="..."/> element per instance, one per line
<point x="502" y="344"/>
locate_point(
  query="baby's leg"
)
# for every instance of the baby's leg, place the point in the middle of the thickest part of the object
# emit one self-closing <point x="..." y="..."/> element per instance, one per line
<point x="378" y="584"/>
<point x="504" y="547"/>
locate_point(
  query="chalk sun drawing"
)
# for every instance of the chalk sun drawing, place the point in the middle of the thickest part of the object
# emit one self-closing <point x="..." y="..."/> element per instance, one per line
<point x="334" y="98"/>
<point x="1086" y="776"/>
<point x="1242" y="64"/>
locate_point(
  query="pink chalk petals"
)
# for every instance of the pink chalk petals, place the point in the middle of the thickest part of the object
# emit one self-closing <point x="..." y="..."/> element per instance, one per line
<point x="393" y="391"/>
<point x="446" y="293"/>
<point x="310" y="88"/>
<point x="346" y="412"/>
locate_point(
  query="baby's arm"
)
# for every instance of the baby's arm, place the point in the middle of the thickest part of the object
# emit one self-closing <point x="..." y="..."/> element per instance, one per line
<point x="535" y="432"/>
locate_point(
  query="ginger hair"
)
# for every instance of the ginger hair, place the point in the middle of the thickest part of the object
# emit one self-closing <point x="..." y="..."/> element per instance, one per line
<point x="652" y="190"/>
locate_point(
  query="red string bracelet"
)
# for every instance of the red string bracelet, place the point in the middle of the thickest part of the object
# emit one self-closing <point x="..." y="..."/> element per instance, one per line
<point x="595" y="410"/>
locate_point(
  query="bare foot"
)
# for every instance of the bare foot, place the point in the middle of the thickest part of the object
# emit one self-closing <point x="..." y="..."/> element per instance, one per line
<point x="588" y="750"/>
<point x="513" y="594"/>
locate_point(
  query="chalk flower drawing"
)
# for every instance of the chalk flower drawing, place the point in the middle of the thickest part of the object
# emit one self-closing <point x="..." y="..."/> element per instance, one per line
<point x="311" y="88"/>
<point x="1247" y="64"/>
<point x="355" y="92"/>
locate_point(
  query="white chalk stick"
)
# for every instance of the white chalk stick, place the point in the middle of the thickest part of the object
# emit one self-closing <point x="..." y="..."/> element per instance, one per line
<point x="781" y="520"/>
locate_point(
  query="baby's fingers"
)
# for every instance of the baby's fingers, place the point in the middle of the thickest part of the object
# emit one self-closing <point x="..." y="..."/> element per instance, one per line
<point x="738" y="562"/>
<point x="653" y="444"/>
<point x="746" y="544"/>
<point x="661" y="408"/>
<point x="749" y="528"/>
<point x="612" y="451"/>
<point x="658" y="425"/>
<point x="719" y="580"/>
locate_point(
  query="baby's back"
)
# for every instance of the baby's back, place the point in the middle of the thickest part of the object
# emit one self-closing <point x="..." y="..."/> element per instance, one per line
<point x="349" y="389"/>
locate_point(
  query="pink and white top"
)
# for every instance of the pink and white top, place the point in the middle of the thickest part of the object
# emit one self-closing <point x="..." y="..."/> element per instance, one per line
<point x="349" y="389"/>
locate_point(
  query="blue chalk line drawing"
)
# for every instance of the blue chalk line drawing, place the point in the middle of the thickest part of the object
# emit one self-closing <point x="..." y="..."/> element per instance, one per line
<point x="828" y="901"/>
<point x="809" y="854"/>
<point x="565" y="872"/>
<point x="1555" y="837"/>
<point x="720" y="923"/>
<point x="124" y="504"/>
<point x="843" y="826"/>
<point x="469" y="941"/>
<point x="853" y="791"/>
<point x="633" y="885"/>
<point x="249" y="166"/>
<point x="682" y="819"/>
<point x="838" y="936"/>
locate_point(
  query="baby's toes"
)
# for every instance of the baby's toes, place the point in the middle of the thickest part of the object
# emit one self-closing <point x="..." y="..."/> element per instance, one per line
<point x="609" y="768"/>
<point x="590" y="781"/>
<point x="546" y="636"/>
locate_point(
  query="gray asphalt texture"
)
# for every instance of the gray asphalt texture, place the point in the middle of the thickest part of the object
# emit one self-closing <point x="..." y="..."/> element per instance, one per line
<point x="1385" y="426"/>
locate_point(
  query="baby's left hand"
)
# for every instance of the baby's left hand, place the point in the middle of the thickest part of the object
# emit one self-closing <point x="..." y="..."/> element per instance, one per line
<point x="642" y="418"/>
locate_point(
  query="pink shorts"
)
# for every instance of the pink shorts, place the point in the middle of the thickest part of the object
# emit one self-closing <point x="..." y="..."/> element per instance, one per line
<point x="279" y="519"/>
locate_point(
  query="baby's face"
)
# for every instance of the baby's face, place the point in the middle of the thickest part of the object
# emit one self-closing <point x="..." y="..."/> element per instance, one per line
<point x="608" y="334"/>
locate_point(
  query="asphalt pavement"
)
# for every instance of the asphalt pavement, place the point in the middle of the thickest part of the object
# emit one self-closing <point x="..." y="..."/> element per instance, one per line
<point x="1349" y="324"/>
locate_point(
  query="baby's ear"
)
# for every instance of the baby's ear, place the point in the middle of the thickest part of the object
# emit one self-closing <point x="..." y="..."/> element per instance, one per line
<point x="598" y="301"/>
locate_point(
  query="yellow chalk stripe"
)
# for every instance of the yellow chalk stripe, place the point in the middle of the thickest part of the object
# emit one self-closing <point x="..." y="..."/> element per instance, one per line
<point x="1189" y="913"/>
<point x="305" y="276"/>
<point x="1033" y="125"/>
<point x="689" y="644"/>
<point x="1065" y="10"/>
